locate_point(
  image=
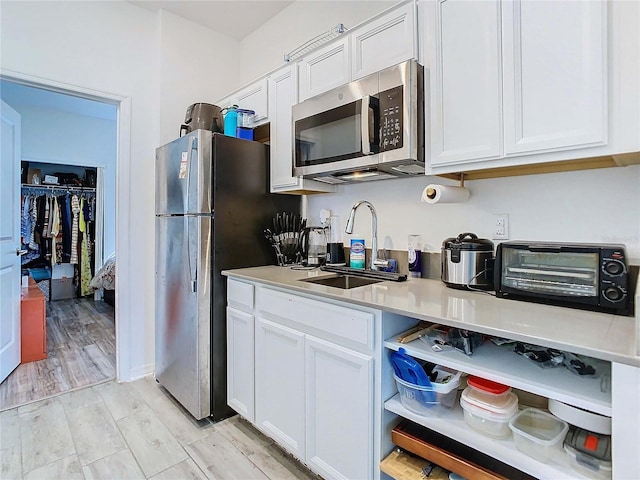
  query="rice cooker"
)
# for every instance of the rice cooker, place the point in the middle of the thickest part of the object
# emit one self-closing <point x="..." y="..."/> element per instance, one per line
<point x="467" y="262"/>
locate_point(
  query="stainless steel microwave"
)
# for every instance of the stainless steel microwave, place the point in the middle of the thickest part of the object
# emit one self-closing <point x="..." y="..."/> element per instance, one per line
<point x="589" y="276"/>
<point x="370" y="129"/>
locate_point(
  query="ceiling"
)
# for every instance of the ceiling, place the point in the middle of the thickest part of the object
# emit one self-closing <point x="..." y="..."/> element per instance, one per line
<point x="236" y="19"/>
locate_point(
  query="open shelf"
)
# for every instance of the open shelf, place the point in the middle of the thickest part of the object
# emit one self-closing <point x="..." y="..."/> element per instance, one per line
<point x="450" y="422"/>
<point x="502" y="365"/>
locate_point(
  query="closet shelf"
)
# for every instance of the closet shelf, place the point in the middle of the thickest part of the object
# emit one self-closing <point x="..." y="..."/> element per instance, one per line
<point x="31" y="188"/>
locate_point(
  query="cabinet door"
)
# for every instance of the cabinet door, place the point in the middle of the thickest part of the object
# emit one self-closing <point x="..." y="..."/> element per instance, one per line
<point x="466" y="81"/>
<point x="280" y="385"/>
<point x="254" y="97"/>
<point x="339" y="389"/>
<point x="386" y="41"/>
<point x="282" y="95"/>
<point x="324" y="69"/>
<point x="282" y="87"/>
<point x="554" y="74"/>
<point x="240" y="362"/>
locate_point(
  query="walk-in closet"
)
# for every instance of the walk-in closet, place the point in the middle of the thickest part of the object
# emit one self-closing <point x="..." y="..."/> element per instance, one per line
<point x="67" y="330"/>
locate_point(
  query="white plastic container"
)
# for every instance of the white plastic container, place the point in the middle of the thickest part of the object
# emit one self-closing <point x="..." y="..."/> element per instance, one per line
<point x="588" y="466"/>
<point x="489" y="414"/>
<point x="538" y="433"/>
<point x="419" y="400"/>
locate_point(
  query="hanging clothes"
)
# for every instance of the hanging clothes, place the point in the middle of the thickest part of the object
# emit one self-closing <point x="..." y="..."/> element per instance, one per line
<point x="25" y="219"/>
<point x="75" y="211"/>
<point x="33" y="214"/>
<point x="85" y="261"/>
<point x="56" y="234"/>
<point x="65" y="221"/>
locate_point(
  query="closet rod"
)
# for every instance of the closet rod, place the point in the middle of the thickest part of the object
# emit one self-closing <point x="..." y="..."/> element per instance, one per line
<point x="56" y="189"/>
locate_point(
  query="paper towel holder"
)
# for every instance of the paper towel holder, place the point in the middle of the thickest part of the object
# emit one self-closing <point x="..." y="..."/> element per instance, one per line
<point x="435" y="193"/>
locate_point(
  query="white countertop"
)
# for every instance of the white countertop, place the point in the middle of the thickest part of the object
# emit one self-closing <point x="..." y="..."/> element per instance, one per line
<point x="599" y="335"/>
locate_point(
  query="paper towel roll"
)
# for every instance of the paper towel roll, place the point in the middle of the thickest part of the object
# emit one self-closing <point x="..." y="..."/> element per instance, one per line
<point x="444" y="194"/>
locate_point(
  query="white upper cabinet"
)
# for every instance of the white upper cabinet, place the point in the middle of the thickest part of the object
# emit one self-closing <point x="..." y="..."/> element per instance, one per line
<point x="518" y="82"/>
<point x="388" y="39"/>
<point x="555" y="74"/>
<point x="324" y="69"/>
<point x="385" y="41"/>
<point x="282" y="86"/>
<point x="252" y="97"/>
<point x="466" y="93"/>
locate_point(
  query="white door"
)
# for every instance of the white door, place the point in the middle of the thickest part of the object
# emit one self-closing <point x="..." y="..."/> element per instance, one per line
<point x="339" y="413"/>
<point x="555" y="75"/>
<point x="279" y="398"/>
<point x="9" y="241"/>
<point x="466" y="99"/>
<point x="324" y="69"/>
<point x="282" y="95"/>
<point x="240" y="362"/>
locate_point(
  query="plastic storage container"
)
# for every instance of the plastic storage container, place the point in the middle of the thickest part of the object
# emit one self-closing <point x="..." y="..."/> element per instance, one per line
<point x="245" y="124"/>
<point x="489" y="413"/>
<point x="589" y="453"/>
<point x="538" y="433"/>
<point x="495" y="389"/>
<point x="421" y="400"/>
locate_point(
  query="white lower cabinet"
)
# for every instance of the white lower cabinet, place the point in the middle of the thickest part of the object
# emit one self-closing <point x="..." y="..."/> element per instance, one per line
<point x="339" y="410"/>
<point x="240" y="361"/>
<point x="313" y="372"/>
<point x="279" y="378"/>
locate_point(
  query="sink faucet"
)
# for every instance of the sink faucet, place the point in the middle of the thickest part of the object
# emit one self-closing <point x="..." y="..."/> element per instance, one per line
<point x="375" y="261"/>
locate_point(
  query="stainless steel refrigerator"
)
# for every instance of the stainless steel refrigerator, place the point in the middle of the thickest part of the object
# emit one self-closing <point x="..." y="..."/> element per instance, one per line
<point x="212" y="204"/>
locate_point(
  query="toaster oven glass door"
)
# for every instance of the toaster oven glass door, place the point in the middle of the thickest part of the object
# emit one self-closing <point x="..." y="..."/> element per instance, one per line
<point x="565" y="274"/>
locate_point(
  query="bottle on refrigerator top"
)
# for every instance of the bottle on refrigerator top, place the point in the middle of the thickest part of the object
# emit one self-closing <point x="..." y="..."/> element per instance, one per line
<point x="414" y="254"/>
<point x="245" y="124"/>
<point x="231" y="120"/>
<point x="357" y="252"/>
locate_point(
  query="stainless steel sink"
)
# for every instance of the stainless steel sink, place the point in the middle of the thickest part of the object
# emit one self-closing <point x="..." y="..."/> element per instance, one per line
<point x="343" y="281"/>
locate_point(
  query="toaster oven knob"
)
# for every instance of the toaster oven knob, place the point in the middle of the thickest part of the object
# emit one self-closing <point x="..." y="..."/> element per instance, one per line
<point x="613" y="294"/>
<point x="614" y="267"/>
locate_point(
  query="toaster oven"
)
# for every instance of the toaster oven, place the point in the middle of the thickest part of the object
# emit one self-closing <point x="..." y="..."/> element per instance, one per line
<point x="590" y="276"/>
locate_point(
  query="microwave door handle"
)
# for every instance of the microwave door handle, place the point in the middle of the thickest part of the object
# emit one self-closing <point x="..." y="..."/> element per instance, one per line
<point x="364" y="125"/>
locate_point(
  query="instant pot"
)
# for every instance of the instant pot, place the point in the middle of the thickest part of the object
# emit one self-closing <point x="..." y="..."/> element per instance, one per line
<point x="467" y="262"/>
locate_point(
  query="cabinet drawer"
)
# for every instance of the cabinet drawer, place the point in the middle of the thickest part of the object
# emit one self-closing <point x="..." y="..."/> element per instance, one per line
<point x="354" y="326"/>
<point x="239" y="295"/>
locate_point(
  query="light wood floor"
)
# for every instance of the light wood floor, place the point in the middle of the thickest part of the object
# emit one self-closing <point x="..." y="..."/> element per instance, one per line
<point x="81" y="348"/>
<point x="130" y="431"/>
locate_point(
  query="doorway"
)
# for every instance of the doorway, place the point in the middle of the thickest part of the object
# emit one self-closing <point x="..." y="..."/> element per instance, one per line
<point x="69" y="128"/>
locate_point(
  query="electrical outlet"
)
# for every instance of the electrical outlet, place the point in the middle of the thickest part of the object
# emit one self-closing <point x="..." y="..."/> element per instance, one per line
<point x="500" y="226"/>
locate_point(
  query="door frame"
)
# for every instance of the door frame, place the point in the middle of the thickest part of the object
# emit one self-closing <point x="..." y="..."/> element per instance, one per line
<point x="123" y="139"/>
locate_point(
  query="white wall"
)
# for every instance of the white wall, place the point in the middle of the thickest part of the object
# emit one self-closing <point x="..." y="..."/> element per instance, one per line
<point x="264" y="49"/>
<point x="53" y="136"/>
<point x="115" y="48"/>
<point x="600" y="205"/>
<point x="196" y="65"/>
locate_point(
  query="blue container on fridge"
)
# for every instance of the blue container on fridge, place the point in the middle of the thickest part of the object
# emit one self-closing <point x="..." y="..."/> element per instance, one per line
<point x="231" y="120"/>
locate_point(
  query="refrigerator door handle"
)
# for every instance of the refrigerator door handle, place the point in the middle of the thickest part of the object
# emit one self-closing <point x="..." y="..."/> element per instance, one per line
<point x="193" y="270"/>
<point x="193" y="145"/>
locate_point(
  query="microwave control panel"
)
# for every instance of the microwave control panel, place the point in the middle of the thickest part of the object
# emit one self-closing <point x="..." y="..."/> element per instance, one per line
<point x="391" y="123"/>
